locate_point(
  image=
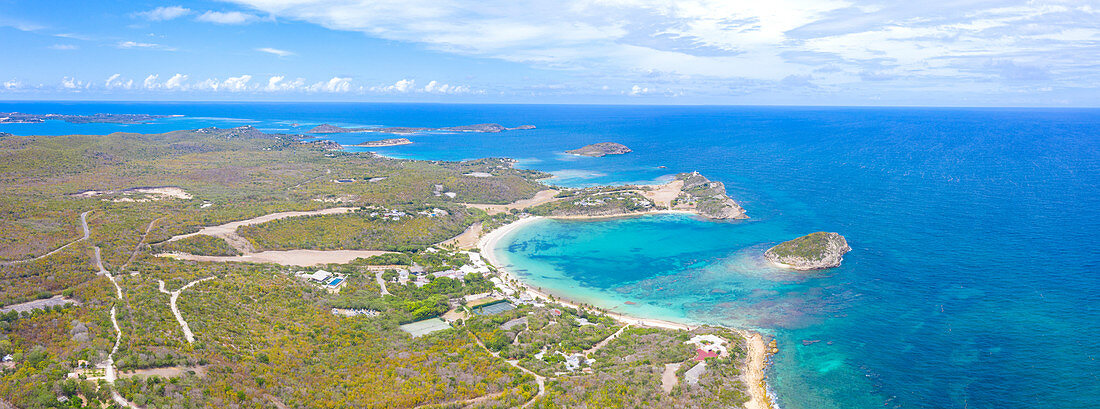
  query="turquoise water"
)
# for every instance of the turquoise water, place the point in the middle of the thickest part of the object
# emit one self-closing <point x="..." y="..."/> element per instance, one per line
<point x="973" y="277"/>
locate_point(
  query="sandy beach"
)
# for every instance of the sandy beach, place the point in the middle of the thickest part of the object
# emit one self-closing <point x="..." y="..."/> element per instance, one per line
<point x="754" y="376"/>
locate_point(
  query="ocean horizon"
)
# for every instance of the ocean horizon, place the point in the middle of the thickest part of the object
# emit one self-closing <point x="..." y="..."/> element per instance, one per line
<point x="972" y="281"/>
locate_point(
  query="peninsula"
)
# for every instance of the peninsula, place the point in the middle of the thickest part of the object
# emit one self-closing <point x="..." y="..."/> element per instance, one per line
<point x="812" y="251"/>
<point x="601" y="149"/>
<point x="484" y="128"/>
<point x="687" y="192"/>
<point x="383" y="142"/>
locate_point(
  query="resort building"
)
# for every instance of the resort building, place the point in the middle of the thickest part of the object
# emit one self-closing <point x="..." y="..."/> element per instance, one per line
<point x="331" y="282"/>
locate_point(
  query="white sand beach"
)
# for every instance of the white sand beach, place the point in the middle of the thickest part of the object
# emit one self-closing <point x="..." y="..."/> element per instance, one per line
<point x="758" y="351"/>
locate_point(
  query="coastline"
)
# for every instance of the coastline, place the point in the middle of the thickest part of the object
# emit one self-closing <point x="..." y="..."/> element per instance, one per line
<point x="759" y="354"/>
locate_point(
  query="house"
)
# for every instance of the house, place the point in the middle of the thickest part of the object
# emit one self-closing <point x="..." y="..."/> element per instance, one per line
<point x="555" y="312"/>
<point x="702" y="354"/>
<point x="455" y="274"/>
<point x="504" y="288"/>
<point x="708" y="346"/>
<point x="8" y="358"/>
<point x="321" y="276"/>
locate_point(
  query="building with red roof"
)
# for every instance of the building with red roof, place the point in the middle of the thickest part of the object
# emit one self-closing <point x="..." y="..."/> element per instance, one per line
<point x="702" y="354"/>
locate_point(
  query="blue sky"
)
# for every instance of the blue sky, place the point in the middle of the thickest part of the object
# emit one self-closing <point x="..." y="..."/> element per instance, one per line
<point x="799" y="52"/>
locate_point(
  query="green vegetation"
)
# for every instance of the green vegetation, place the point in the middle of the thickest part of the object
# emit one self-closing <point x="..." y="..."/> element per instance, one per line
<point x="363" y="230"/>
<point x="594" y="202"/>
<point x="812" y="246"/>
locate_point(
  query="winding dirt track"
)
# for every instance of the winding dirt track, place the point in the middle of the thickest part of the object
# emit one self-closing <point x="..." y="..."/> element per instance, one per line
<point x="606" y="341"/>
<point x="172" y="302"/>
<point x="87" y="233"/>
<point x="228" y="231"/>
<point x="110" y="374"/>
<point x="140" y="243"/>
<point x="539" y="379"/>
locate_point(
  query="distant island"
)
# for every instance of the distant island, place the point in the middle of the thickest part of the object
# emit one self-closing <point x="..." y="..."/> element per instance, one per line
<point x="21" y="118"/>
<point x="812" y="251"/>
<point x="383" y="142"/>
<point x="487" y="128"/>
<point x="601" y="149"/>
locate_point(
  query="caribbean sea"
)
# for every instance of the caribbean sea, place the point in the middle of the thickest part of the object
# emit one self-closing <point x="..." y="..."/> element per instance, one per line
<point x="973" y="280"/>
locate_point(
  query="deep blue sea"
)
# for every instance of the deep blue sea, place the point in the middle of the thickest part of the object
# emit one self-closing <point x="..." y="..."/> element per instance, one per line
<point x="973" y="280"/>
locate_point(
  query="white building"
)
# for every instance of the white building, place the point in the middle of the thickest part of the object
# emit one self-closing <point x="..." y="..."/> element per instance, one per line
<point x="321" y="276"/>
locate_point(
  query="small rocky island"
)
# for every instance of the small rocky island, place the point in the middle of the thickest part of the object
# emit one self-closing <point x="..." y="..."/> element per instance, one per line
<point x="810" y="252"/>
<point x="601" y="149"/>
<point x="383" y="142"/>
<point x="483" y="128"/>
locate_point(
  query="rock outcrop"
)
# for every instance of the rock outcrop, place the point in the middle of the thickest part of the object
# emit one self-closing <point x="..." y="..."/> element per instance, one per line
<point x="707" y="198"/>
<point x="601" y="149"/>
<point x="810" y="252"/>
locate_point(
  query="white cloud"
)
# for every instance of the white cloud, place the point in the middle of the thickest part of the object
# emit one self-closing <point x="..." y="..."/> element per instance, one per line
<point x="176" y="82"/>
<point x="334" y="85"/>
<point x="705" y="42"/>
<point x="163" y="13"/>
<point x="237" y="84"/>
<point x="20" y="25"/>
<point x="73" y="83"/>
<point x="12" y="84"/>
<point x="63" y="47"/>
<point x="135" y="44"/>
<point x="404" y="85"/>
<point x="276" y="51"/>
<point x="151" y="82"/>
<point x="211" y="84"/>
<point x="115" y="81"/>
<point x="276" y="84"/>
<point x="437" y="88"/>
<point x="73" y="36"/>
<point x="638" y="90"/>
<point x="227" y="17"/>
